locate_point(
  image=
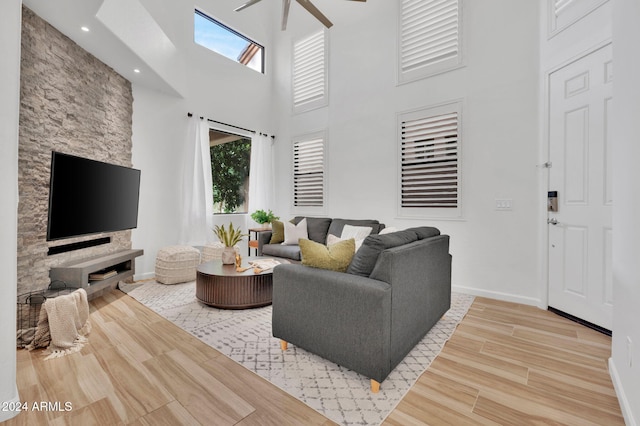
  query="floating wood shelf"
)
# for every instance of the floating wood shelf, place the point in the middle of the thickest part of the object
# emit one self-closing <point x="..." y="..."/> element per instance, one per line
<point x="75" y="274"/>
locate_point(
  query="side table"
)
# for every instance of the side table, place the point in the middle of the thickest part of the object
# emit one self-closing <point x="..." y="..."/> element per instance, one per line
<point x="253" y="244"/>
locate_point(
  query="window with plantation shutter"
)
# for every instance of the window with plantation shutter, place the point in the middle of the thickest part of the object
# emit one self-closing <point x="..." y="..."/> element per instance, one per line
<point x="429" y="161"/>
<point x="429" y="38"/>
<point x="308" y="172"/>
<point x="310" y="72"/>
<point x="564" y="13"/>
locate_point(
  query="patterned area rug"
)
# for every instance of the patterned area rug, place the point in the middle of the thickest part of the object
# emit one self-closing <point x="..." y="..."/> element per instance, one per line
<point x="245" y="336"/>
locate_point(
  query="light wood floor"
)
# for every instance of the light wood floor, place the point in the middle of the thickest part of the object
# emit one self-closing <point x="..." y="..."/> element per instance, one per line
<point x="512" y="364"/>
<point x="505" y="364"/>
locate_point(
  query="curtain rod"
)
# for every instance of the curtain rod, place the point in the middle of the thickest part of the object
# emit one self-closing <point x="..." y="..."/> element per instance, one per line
<point x="231" y="125"/>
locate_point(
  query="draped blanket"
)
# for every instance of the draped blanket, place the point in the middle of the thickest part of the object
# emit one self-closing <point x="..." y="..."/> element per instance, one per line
<point x="63" y="325"/>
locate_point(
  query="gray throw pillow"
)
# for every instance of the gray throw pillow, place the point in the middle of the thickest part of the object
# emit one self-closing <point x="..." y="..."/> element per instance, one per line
<point x="317" y="228"/>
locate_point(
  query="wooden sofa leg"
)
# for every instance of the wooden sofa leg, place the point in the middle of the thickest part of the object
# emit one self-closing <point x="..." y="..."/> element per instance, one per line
<point x="375" y="386"/>
<point x="283" y="345"/>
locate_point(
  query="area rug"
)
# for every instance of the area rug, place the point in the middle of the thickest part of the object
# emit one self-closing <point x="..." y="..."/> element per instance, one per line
<point x="245" y="336"/>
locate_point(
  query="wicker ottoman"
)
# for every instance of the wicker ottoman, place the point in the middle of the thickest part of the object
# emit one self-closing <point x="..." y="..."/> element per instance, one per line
<point x="177" y="264"/>
<point x="212" y="251"/>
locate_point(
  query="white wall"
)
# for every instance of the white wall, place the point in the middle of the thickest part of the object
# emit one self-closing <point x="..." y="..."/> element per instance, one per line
<point x="626" y="208"/>
<point x="216" y="88"/>
<point x="499" y="87"/>
<point x="9" y="111"/>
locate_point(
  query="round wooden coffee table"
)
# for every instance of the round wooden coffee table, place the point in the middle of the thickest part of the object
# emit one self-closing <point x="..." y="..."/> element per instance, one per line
<point x="221" y="286"/>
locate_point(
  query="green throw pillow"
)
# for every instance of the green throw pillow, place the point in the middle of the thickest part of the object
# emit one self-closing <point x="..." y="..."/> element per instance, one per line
<point x="277" y="232"/>
<point x="336" y="257"/>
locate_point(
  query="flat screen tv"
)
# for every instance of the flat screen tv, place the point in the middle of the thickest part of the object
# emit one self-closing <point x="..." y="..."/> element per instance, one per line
<point x="90" y="197"/>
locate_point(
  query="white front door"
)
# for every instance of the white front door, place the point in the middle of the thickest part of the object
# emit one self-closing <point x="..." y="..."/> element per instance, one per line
<point x="580" y="107"/>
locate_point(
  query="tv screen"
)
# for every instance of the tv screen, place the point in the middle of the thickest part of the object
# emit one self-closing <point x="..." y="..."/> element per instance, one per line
<point x="90" y="197"/>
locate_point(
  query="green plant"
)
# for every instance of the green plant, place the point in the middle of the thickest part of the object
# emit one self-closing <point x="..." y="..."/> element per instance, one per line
<point x="229" y="237"/>
<point x="230" y="172"/>
<point x="260" y="216"/>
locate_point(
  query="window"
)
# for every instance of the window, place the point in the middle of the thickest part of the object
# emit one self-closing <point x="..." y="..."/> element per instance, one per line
<point x="308" y="171"/>
<point x="429" y="152"/>
<point x="230" y="164"/>
<point x="223" y="40"/>
<point x="310" y="81"/>
<point x="429" y="38"/>
<point x="564" y="13"/>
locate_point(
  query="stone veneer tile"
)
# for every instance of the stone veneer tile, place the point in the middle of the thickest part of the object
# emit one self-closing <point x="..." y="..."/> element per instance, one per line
<point x="73" y="103"/>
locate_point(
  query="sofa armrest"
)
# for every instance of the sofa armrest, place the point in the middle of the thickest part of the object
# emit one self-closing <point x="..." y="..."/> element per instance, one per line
<point x="263" y="238"/>
<point x="420" y="275"/>
<point x="342" y="317"/>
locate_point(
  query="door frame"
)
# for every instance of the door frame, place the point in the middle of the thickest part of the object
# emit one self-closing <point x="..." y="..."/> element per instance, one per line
<point x="545" y="141"/>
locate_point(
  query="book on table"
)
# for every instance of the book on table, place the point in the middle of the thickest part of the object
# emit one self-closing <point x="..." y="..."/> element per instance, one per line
<point x="102" y="275"/>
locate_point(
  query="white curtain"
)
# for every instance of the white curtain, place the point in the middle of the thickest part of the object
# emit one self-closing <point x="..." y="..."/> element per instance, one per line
<point x="197" y="186"/>
<point x="261" y="181"/>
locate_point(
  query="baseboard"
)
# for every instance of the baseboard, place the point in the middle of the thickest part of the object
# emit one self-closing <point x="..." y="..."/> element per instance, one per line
<point x="625" y="406"/>
<point x="507" y="297"/>
<point x="9" y="414"/>
<point x="145" y="276"/>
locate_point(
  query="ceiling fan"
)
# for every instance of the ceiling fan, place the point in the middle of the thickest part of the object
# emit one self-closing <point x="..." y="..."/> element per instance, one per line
<point x="285" y="11"/>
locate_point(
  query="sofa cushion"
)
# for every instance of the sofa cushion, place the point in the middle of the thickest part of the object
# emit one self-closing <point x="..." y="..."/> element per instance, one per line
<point x="425" y="231"/>
<point x="277" y="232"/>
<point x="365" y="259"/>
<point x="293" y="233"/>
<point x="317" y="227"/>
<point x="335" y="257"/>
<point x="279" y="250"/>
<point x="338" y="224"/>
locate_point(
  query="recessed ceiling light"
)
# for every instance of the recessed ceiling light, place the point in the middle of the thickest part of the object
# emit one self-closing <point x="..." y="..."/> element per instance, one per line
<point x="85" y="29"/>
<point x="136" y="70"/>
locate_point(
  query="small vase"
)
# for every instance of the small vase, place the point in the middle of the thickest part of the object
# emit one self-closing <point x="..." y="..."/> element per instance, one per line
<point x="228" y="256"/>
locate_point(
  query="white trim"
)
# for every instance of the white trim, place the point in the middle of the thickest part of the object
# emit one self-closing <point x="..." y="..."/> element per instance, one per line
<point x="625" y="405"/>
<point x="498" y="295"/>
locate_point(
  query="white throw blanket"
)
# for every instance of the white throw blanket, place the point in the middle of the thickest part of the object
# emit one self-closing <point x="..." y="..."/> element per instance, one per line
<point x="63" y="324"/>
<point x="264" y="264"/>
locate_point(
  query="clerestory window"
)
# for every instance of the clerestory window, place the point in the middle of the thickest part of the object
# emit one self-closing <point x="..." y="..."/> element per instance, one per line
<point x="219" y="38"/>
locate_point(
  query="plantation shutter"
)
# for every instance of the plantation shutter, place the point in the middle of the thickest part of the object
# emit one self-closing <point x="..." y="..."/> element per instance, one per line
<point x="308" y="173"/>
<point x="429" y="157"/>
<point x="309" y="70"/>
<point x="429" y="35"/>
<point x="559" y="5"/>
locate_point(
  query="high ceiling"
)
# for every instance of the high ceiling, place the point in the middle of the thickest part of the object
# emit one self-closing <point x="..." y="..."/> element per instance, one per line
<point x="112" y="39"/>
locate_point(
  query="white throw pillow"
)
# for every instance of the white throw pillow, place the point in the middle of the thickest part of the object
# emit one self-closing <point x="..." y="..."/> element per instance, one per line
<point x="355" y="232"/>
<point x="358" y="233"/>
<point x="292" y="233"/>
<point x="388" y="230"/>
<point x="332" y="239"/>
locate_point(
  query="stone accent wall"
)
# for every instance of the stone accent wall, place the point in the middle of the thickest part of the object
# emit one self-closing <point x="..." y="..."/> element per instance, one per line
<point x="72" y="103"/>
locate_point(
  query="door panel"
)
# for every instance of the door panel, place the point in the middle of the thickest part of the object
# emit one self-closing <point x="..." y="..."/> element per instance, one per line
<point x="580" y="101"/>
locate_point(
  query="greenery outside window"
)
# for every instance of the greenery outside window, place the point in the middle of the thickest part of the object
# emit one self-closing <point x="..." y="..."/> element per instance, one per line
<point x="230" y="165"/>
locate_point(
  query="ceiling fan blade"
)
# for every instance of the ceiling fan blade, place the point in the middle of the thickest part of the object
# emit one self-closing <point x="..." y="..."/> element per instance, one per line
<point x="285" y="13"/>
<point x="315" y="12"/>
<point x="359" y="0"/>
<point x="246" y="5"/>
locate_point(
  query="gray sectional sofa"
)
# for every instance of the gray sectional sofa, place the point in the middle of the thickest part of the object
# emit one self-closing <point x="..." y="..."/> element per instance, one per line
<point x="318" y="228"/>
<point x="396" y="288"/>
